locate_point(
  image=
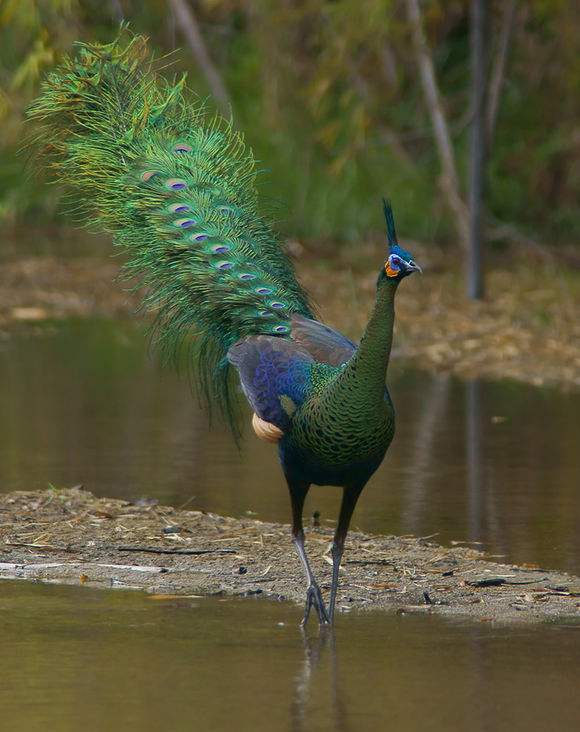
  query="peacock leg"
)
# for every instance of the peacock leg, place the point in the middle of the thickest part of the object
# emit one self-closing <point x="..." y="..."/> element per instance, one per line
<point x="314" y="599"/>
<point x="349" y="499"/>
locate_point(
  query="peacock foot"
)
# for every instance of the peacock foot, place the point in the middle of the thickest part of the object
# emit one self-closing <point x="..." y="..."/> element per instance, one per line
<point x="314" y="599"/>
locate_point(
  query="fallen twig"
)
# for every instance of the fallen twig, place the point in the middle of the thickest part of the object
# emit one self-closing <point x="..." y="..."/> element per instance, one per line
<point x="370" y="561"/>
<point x="45" y="547"/>
<point x="161" y="550"/>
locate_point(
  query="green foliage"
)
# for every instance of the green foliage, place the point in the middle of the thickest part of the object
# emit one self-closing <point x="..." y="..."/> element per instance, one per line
<point x="329" y="97"/>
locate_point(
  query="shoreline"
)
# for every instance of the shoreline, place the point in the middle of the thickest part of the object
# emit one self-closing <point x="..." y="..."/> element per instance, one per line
<point x="527" y="329"/>
<point x="71" y="537"/>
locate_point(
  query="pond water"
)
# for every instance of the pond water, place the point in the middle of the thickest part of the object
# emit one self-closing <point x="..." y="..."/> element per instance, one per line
<point x="77" y="658"/>
<point x="493" y="462"/>
<point x="83" y="403"/>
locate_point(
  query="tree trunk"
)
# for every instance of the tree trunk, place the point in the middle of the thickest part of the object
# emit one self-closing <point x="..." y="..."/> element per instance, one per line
<point x="499" y="67"/>
<point x="189" y="26"/>
<point x="449" y="177"/>
<point x="475" y="284"/>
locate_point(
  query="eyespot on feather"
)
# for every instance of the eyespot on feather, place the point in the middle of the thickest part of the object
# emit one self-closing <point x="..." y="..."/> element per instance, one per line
<point x="181" y="147"/>
<point x="175" y="184"/>
<point x="146" y="175"/>
<point x="278" y="305"/>
<point x="179" y="208"/>
<point x="220" y="249"/>
<point x="185" y="223"/>
<point x="247" y="276"/>
<point x="264" y="291"/>
<point x="224" y="265"/>
<point x="199" y="237"/>
<point x="280" y="329"/>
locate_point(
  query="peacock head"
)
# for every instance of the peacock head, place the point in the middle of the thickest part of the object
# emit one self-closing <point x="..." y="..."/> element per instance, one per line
<point x="400" y="262"/>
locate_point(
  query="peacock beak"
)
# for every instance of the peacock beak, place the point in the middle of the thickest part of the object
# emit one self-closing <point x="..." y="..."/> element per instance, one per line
<point x="413" y="267"/>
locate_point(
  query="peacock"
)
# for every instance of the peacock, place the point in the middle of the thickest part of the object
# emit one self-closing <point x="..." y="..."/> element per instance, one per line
<point x="177" y="189"/>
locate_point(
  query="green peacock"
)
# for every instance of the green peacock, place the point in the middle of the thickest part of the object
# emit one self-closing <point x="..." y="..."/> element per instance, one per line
<point x="177" y="189"/>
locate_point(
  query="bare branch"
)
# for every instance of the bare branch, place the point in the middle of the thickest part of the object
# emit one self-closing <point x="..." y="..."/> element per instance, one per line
<point x="189" y="26"/>
<point x="449" y="177"/>
<point x="499" y="66"/>
<point x="477" y="149"/>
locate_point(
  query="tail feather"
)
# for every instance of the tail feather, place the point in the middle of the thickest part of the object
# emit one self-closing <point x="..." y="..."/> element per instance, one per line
<point x="178" y="191"/>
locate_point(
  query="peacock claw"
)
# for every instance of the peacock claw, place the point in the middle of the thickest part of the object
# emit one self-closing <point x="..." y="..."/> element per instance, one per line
<point x="314" y="598"/>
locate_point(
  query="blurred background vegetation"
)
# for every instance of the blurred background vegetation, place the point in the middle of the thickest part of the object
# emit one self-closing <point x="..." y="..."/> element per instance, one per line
<point x="330" y="97"/>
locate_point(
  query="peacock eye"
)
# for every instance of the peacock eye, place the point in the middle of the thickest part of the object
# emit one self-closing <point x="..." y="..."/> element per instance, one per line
<point x="395" y="260"/>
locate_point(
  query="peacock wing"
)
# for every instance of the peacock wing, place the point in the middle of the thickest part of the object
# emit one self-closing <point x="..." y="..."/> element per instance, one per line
<point x="323" y="343"/>
<point x="275" y="374"/>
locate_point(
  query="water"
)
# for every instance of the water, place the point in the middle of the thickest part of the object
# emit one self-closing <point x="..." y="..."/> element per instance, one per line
<point x="491" y="462"/>
<point x="77" y="658"/>
<point x="84" y="403"/>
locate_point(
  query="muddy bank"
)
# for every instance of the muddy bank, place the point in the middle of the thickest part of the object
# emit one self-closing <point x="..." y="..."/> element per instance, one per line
<point x="69" y="536"/>
<point x="527" y="329"/>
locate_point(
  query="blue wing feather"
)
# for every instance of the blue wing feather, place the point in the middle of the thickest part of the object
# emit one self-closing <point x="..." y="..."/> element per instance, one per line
<point x="271" y="368"/>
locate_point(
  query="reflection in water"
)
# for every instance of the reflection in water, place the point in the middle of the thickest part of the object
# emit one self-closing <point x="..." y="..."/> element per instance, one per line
<point x="474" y="457"/>
<point x="494" y="462"/>
<point x="424" y="445"/>
<point x="315" y="647"/>
<point x="481" y="488"/>
<point x="79" y="658"/>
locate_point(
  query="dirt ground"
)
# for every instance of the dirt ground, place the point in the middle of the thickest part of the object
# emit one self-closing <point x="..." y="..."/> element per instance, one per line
<point x="69" y="536"/>
<point x="527" y="328"/>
